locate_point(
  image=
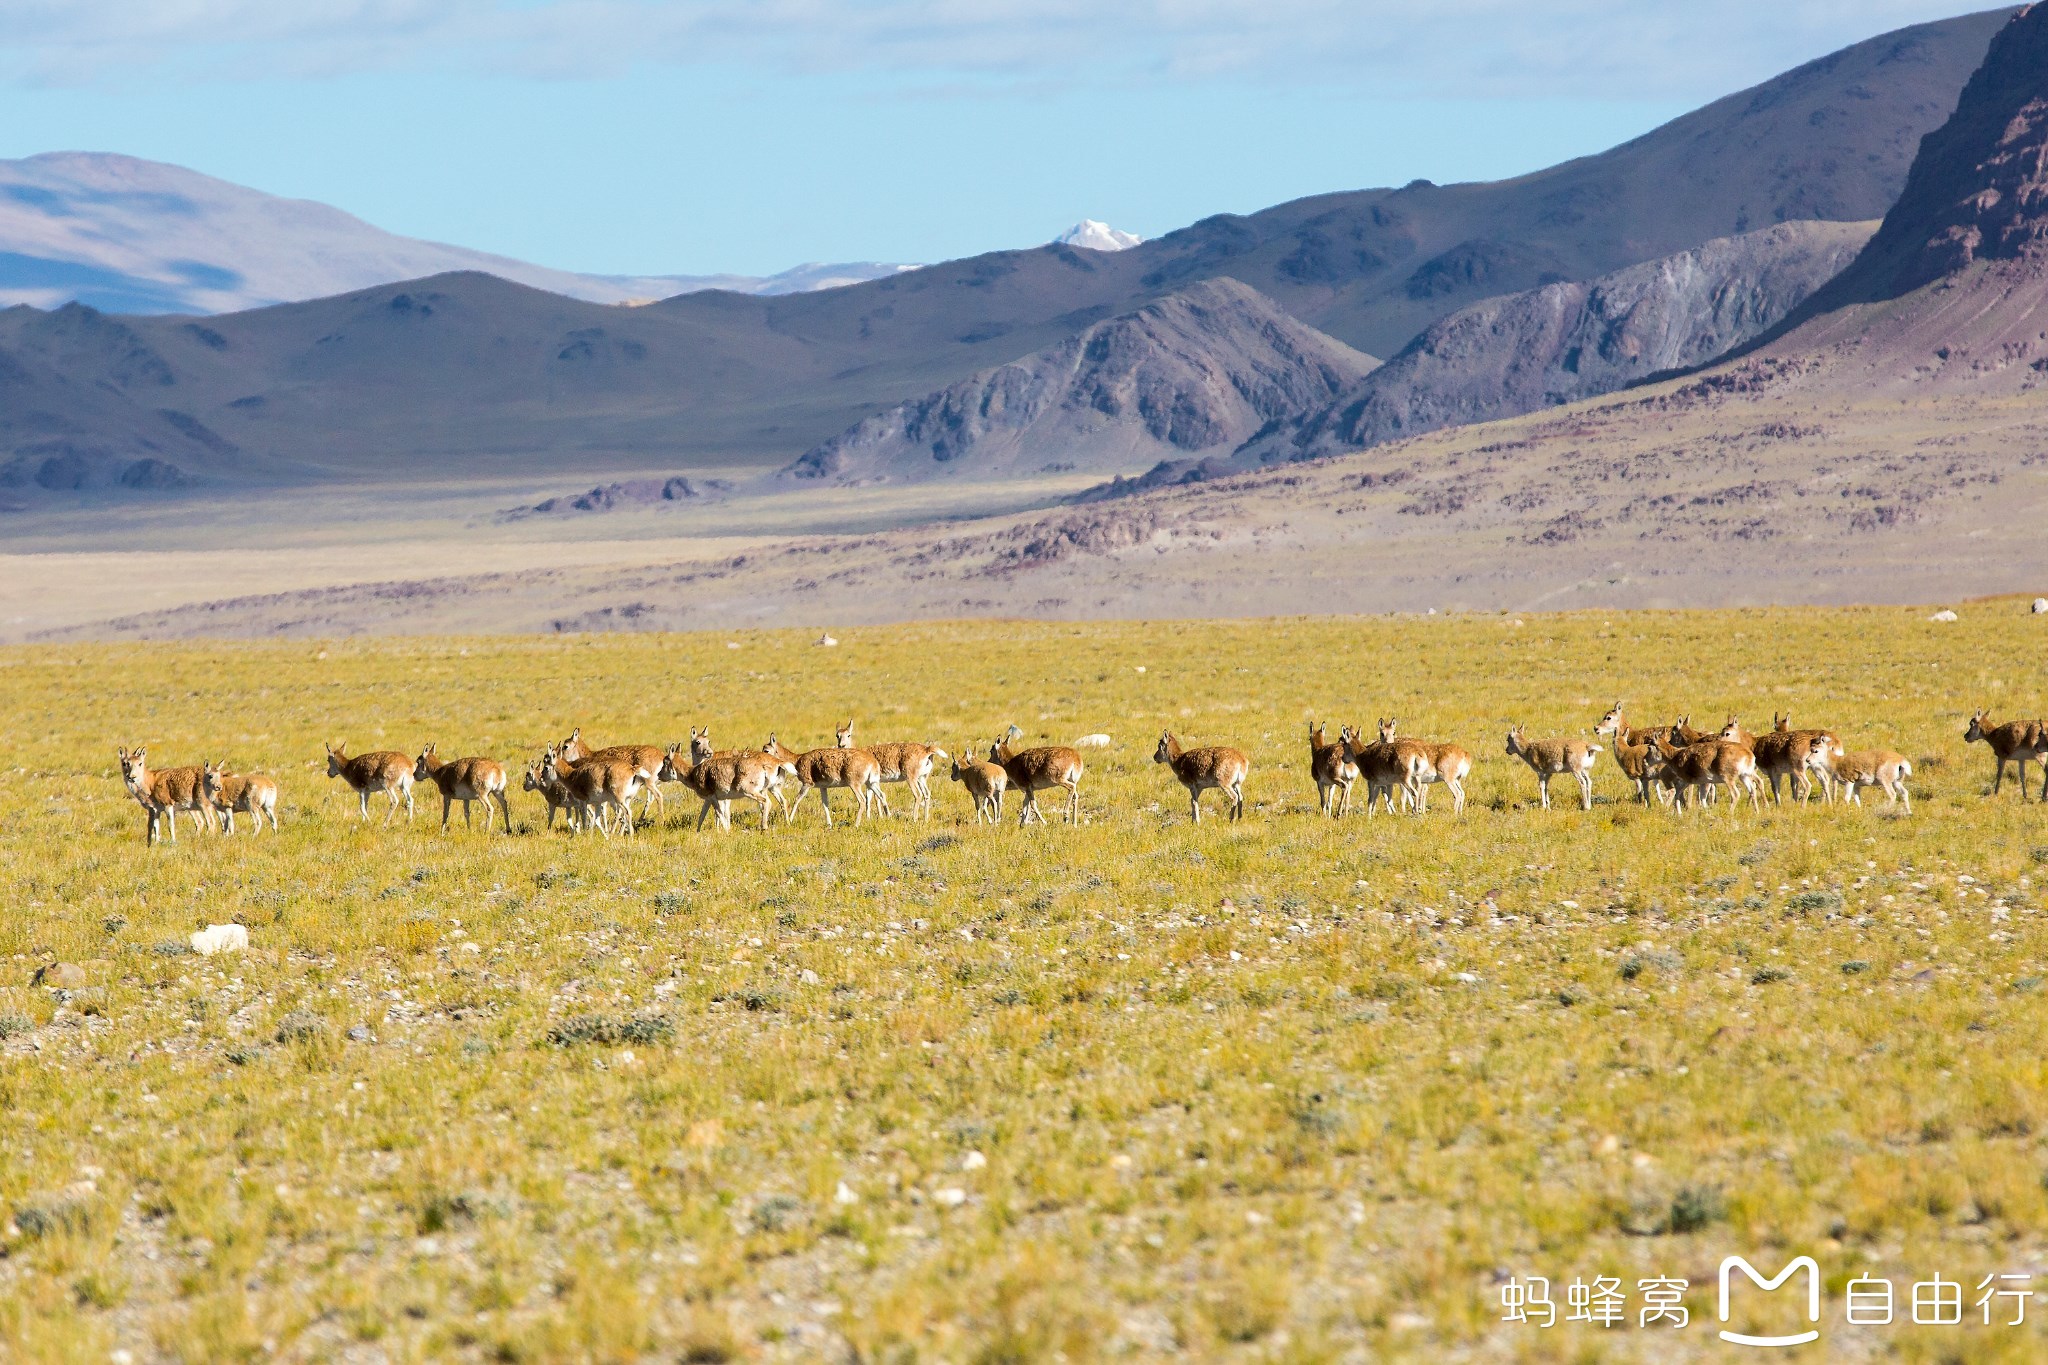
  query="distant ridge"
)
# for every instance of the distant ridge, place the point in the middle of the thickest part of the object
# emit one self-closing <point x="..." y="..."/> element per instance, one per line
<point x="126" y="235"/>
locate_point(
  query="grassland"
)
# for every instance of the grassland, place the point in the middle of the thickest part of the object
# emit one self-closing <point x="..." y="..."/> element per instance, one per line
<point x="1289" y="1089"/>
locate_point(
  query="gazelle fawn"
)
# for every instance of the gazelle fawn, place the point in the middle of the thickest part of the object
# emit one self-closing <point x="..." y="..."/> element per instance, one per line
<point x="231" y="794"/>
<point x="1216" y="766"/>
<point x="719" y="779"/>
<point x="1331" y="766"/>
<point x="2017" y="741"/>
<point x="1032" y="771"/>
<point x="1386" y="766"/>
<point x="1633" y="750"/>
<point x="465" y="780"/>
<point x="1873" y="768"/>
<point x="1549" y="758"/>
<point x="985" y="782"/>
<point x="1798" y="756"/>
<point x="380" y="771"/>
<point x="163" y="794"/>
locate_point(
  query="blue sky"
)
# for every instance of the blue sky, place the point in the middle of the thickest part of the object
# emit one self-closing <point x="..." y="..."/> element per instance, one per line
<point x="682" y="136"/>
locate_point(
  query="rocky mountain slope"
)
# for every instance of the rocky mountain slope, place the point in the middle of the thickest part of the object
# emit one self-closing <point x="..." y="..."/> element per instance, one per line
<point x="126" y="235"/>
<point x="1560" y="344"/>
<point x="462" y="375"/>
<point x="1197" y="370"/>
<point x="1893" y="448"/>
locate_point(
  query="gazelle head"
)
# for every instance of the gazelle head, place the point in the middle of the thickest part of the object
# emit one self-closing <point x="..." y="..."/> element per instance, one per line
<point x="1515" y="742"/>
<point x="671" y="767"/>
<point x="210" y="776"/>
<point x="1678" y="728"/>
<point x="532" y="781"/>
<point x="1610" y="724"/>
<point x="419" y="767"/>
<point x="1780" y="724"/>
<point x="1164" y="753"/>
<point x="337" y="754"/>
<point x="134" y="764"/>
<point x="1976" y="730"/>
<point x="1731" y="730"/>
<point x="1387" y="730"/>
<point x="572" y="749"/>
<point x="700" y="743"/>
<point x="843" y="736"/>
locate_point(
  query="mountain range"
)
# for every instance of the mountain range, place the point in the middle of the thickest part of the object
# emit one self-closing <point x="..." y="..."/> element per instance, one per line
<point x="126" y="235"/>
<point x="1887" y="439"/>
<point x="470" y="374"/>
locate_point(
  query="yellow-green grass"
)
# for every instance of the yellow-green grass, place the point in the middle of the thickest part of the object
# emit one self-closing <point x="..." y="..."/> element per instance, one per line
<point x="1232" y="1093"/>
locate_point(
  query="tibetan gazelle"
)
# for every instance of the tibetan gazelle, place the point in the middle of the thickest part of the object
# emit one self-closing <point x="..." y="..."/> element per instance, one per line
<point x="1549" y="758"/>
<point x="1199" y="770"/>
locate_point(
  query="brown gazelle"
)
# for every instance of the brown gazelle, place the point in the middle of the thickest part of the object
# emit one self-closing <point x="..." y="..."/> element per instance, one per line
<point x="1873" y="768"/>
<point x="1449" y="764"/>
<point x="1032" y="771"/>
<point x="465" y="780"/>
<point x="600" y="789"/>
<point x="574" y="753"/>
<point x="1215" y="766"/>
<point x="913" y="765"/>
<point x="1331" y="767"/>
<point x="1797" y="756"/>
<point x="550" y="789"/>
<point x="1705" y="766"/>
<point x="985" y="782"/>
<point x="841" y="767"/>
<point x="1633" y="750"/>
<point x="231" y="794"/>
<point x="1549" y="758"/>
<point x="719" y="779"/>
<point x="381" y="771"/>
<point x="2016" y="741"/>
<point x="1387" y="765"/>
<point x="163" y="794"/>
<point x="776" y="770"/>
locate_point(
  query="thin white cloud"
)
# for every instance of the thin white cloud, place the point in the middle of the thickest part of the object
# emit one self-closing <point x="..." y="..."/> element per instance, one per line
<point x="1619" y="49"/>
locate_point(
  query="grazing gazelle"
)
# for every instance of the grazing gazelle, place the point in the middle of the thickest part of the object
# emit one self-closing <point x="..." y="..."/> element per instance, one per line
<point x="466" y="780"/>
<point x="231" y="793"/>
<point x="381" y="771"/>
<point x="912" y="764"/>
<point x="574" y="753"/>
<point x="1331" y="766"/>
<point x="985" y="782"/>
<point x="1549" y="758"/>
<point x="163" y="794"/>
<point x="595" y="789"/>
<point x="1633" y="751"/>
<point x="1704" y="766"/>
<point x="719" y="779"/>
<point x="2016" y="741"/>
<point x="1216" y="766"/>
<point x="1873" y="768"/>
<point x="1449" y="764"/>
<point x="829" y="770"/>
<point x="1032" y="771"/>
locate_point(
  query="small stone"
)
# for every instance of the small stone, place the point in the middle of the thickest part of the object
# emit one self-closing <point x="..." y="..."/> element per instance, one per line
<point x="360" y="1034"/>
<point x="973" y="1161"/>
<point x="844" y="1195"/>
<point x="809" y="977"/>
<point x="1944" y="615"/>
<point x="2040" y="607"/>
<point x="220" y="938"/>
<point x="952" y="1197"/>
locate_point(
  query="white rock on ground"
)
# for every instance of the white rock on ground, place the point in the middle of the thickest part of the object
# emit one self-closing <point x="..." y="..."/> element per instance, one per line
<point x="219" y="938"/>
<point x="1944" y="616"/>
<point x="2041" y="606"/>
<point x="1092" y="742"/>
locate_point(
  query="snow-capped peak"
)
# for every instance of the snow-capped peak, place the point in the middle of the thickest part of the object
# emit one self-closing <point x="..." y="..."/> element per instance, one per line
<point x="1097" y="236"/>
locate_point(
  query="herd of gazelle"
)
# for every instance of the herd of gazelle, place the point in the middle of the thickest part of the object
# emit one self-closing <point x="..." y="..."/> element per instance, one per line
<point x="1674" y="764"/>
